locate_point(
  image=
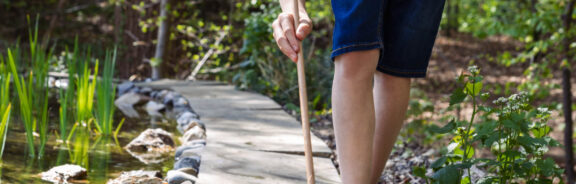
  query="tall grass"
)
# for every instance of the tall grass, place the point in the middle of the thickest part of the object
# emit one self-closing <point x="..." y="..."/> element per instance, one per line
<point x="24" y="98"/>
<point x="39" y="59"/>
<point x="106" y="92"/>
<point x="32" y="89"/>
<point x="67" y="97"/>
<point x="85" y="89"/>
<point x="5" y="106"/>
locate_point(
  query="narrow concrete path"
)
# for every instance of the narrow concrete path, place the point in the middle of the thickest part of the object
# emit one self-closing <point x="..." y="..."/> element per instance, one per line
<point x="250" y="139"/>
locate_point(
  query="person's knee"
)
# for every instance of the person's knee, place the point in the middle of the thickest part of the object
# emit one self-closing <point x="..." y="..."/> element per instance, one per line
<point x="380" y="77"/>
<point x="357" y="65"/>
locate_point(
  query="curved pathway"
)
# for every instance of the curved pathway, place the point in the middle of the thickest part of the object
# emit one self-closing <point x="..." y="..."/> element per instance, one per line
<point x="250" y="139"/>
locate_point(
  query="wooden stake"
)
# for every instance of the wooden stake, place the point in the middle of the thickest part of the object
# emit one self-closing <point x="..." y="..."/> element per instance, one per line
<point x="304" y="104"/>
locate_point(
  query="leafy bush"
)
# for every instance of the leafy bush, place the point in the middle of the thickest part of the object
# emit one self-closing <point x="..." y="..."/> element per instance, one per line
<point x="513" y="131"/>
<point x="268" y="71"/>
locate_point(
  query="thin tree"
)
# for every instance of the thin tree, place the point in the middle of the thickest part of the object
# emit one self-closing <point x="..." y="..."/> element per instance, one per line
<point x="568" y="132"/>
<point x="161" y="41"/>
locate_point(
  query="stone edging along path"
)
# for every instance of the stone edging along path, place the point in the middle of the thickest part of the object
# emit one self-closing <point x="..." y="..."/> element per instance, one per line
<point x="252" y="139"/>
<point x="188" y="155"/>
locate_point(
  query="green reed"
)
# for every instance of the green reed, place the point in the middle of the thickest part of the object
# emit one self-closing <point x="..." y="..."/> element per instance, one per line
<point x="81" y="144"/>
<point x="67" y="96"/>
<point x="24" y="98"/>
<point x="5" y="106"/>
<point x="106" y="92"/>
<point x="85" y="94"/>
<point x="32" y="89"/>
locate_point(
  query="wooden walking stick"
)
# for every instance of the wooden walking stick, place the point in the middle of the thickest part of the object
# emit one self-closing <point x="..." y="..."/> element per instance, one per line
<point x="304" y="104"/>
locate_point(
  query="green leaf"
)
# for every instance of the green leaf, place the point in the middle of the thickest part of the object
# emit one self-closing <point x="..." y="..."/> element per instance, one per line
<point x="465" y="180"/>
<point x="457" y="96"/>
<point x="447" y="128"/>
<point x="469" y="154"/>
<point x="510" y="124"/>
<point x="419" y="171"/>
<point x="487" y="180"/>
<point x="438" y="163"/>
<point x="447" y="175"/>
<point x="546" y="166"/>
<point x="473" y="89"/>
<point x="292" y="107"/>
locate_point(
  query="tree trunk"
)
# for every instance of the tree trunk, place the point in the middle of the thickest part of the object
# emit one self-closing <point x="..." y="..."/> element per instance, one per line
<point x="162" y="32"/>
<point x="567" y="93"/>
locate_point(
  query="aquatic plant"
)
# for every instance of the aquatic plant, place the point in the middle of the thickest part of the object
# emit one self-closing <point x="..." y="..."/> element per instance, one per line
<point x="39" y="59"/>
<point x="24" y="98"/>
<point x="5" y="106"/>
<point x="106" y="92"/>
<point x="66" y="97"/>
<point x="85" y="94"/>
<point x="32" y="90"/>
<point x="81" y="144"/>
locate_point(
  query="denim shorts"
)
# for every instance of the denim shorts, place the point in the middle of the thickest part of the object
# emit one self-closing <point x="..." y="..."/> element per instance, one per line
<point x="403" y="30"/>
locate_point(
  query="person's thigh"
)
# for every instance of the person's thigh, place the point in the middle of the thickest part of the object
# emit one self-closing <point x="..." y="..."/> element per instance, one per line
<point x="409" y="31"/>
<point x="357" y="25"/>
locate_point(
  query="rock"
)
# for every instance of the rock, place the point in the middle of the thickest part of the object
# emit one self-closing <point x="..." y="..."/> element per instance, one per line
<point x="64" y="173"/>
<point x="179" y="177"/>
<point x="181" y="102"/>
<point x="146" y="91"/>
<point x="188" y="115"/>
<point x="154" y="109"/>
<point x="169" y="98"/>
<point x="190" y="153"/>
<point x="162" y="94"/>
<point x="196" y="148"/>
<point x="152" y="140"/>
<point x="124" y="87"/>
<point x="139" y="176"/>
<point x="188" y="162"/>
<point x="193" y="133"/>
<point x="135" y="90"/>
<point x="181" y="110"/>
<point x="186" y="124"/>
<point x="126" y="104"/>
<point x="184" y="117"/>
<point x="154" y="94"/>
<point x="151" y="146"/>
<point x="194" y="142"/>
<point x="190" y="171"/>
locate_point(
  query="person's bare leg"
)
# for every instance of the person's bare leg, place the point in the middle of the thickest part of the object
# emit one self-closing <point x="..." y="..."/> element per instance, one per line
<point x="353" y="113"/>
<point x="391" y="95"/>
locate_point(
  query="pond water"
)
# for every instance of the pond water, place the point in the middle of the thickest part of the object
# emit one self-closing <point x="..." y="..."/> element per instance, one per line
<point x="104" y="159"/>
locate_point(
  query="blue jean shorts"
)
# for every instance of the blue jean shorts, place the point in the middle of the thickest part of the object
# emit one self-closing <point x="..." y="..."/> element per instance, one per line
<point x="403" y="30"/>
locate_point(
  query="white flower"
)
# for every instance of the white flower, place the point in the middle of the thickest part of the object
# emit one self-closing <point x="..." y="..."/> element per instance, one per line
<point x="543" y="110"/>
<point x="500" y="100"/>
<point x="473" y="69"/>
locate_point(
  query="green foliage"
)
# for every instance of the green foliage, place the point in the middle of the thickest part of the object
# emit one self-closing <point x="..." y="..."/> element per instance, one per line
<point x="66" y="97"/>
<point x="32" y="89"/>
<point x="420" y="126"/>
<point x="106" y="95"/>
<point x="5" y="106"/>
<point x="85" y="94"/>
<point x="536" y="24"/>
<point x="81" y="144"/>
<point x="513" y="131"/>
<point x="268" y="71"/>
